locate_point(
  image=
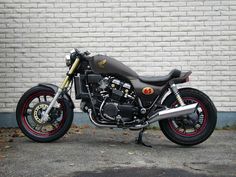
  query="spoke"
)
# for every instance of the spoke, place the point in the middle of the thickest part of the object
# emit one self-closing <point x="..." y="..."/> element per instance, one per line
<point x="45" y="97"/>
<point x="53" y="126"/>
<point x="184" y="129"/>
<point x="179" y="129"/>
<point x="56" y="122"/>
<point x="38" y="127"/>
<point x="198" y="123"/>
<point x="28" y="111"/>
<point x="27" y="114"/>
<point x="194" y="127"/>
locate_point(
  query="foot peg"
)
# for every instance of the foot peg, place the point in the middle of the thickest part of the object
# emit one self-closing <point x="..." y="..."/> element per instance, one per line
<point x="139" y="140"/>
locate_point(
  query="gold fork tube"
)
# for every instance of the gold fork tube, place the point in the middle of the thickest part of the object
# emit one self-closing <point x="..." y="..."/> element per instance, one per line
<point x="67" y="80"/>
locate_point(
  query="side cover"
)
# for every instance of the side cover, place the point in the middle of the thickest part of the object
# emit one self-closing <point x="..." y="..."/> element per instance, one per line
<point x="148" y="98"/>
<point x="103" y="64"/>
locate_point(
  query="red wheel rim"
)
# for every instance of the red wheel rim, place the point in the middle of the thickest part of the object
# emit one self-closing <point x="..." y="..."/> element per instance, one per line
<point x="28" y="126"/>
<point x="199" y="130"/>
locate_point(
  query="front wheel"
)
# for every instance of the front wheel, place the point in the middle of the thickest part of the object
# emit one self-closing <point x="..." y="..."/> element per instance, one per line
<point x="30" y="109"/>
<point x="191" y="129"/>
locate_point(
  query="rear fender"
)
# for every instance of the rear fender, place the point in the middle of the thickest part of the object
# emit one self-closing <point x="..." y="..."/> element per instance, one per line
<point x="65" y="95"/>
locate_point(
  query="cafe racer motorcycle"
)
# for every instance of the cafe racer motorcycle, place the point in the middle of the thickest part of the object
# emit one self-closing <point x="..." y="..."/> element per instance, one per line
<point x="115" y="96"/>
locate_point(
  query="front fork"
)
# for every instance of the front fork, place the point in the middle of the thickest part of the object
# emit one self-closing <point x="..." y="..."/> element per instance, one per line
<point x="65" y="84"/>
<point x="175" y="90"/>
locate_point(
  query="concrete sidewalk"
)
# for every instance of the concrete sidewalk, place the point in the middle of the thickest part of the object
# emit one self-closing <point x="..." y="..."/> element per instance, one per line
<point x="104" y="152"/>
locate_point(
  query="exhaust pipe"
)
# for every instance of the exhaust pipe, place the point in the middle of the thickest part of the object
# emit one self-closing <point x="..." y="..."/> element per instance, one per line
<point x="98" y="124"/>
<point x="173" y="112"/>
<point x="165" y="114"/>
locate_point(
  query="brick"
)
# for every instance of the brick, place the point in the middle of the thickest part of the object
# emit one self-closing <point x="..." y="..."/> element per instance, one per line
<point x="150" y="36"/>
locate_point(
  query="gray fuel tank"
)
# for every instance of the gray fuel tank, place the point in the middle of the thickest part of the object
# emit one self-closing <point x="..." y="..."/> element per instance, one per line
<point x="103" y="64"/>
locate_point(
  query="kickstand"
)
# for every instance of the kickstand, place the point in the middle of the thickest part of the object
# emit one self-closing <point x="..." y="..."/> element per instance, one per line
<point x="139" y="140"/>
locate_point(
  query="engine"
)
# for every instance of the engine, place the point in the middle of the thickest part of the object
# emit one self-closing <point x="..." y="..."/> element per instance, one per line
<point x="118" y="100"/>
<point x="118" y="90"/>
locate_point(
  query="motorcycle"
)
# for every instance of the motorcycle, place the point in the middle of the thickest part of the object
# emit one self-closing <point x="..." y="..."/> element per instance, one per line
<point x="115" y="96"/>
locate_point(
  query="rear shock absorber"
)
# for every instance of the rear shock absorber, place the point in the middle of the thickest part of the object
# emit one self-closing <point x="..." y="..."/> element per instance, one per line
<point x="175" y="90"/>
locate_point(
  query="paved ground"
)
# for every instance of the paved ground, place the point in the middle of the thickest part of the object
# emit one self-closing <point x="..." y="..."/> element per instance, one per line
<point x="90" y="152"/>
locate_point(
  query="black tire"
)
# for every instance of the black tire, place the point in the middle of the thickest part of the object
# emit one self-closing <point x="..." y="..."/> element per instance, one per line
<point x="25" y="128"/>
<point x="209" y="125"/>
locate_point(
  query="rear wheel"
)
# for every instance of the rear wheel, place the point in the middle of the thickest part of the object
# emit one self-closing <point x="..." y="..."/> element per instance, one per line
<point x="29" y="113"/>
<point x="194" y="128"/>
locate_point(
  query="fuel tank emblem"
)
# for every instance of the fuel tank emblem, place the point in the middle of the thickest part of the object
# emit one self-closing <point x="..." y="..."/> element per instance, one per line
<point x="101" y="63"/>
<point x="147" y="90"/>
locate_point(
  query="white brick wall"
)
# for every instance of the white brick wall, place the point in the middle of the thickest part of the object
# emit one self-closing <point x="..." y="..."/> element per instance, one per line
<point x="151" y="36"/>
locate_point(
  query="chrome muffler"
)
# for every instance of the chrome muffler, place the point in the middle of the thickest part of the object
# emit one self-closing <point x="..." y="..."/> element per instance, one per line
<point x="173" y="112"/>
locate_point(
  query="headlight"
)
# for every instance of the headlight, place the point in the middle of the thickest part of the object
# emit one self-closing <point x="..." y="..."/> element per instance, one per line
<point x="68" y="61"/>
